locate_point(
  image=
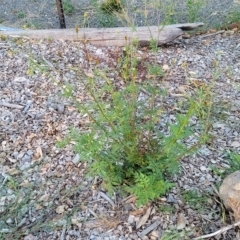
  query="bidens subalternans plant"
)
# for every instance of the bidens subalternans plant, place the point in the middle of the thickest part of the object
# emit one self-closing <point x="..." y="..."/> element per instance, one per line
<point x="122" y="143"/>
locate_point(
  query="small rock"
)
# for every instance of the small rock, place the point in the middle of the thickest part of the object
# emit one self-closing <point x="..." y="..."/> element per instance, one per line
<point x="99" y="52"/>
<point x="210" y="178"/>
<point x="9" y="221"/>
<point x="203" y="168"/>
<point x="131" y="219"/>
<point x="122" y="238"/>
<point x="154" y="235"/>
<point x="25" y="166"/>
<point x="165" y="67"/>
<point x="202" y="179"/>
<point x="3" y="155"/>
<point x="26" y="158"/>
<point x="235" y="144"/>
<point x="60" y="209"/>
<point x="30" y="237"/>
<point x="60" y="108"/>
<point x="74" y="233"/>
<point x="20" y="80"/>
<point x="20" y="155"/>
<point x="76" y="159"/>
<point x="2" y="160"/>
<point x="29" y="152"/>
<point x="38" y="116"/>
<point x="120" y="228"/>
<point x="186" y="36"/>
<point x="15" y="154"/>
<point x="171" y="199"/>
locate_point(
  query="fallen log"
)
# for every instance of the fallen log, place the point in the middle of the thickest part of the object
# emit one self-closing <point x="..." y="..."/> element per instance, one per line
<point x="110" y="36"/>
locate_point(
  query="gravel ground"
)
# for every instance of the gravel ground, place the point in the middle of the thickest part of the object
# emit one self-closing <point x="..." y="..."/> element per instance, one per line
<point x="43" y="14"/>
<point x="57" y="201"/>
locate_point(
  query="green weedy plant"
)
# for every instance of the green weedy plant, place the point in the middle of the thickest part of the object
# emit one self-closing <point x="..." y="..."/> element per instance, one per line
<point x="174" y="234"/>
<point x="234" y="161"/>
<point x="21" y="15"/>
<point x="105" y="11"/>
<point x="234" y="16"/>
<point x="193" y="7"/>
<point x="122" y="143"/>
<point x="68" y="7"/>
<point x="195" y="199"/>
<point x="110" y="6"/>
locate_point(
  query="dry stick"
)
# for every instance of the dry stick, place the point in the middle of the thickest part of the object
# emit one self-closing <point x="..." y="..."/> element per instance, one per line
<point x="212" y="34"/>
<point x="103" y="195"/>
<point x="10" y="105"/>
<point x="221" y="230"/>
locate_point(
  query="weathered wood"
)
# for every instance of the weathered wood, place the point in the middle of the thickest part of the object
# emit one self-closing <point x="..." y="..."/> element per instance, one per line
<point x="111" y="36"/>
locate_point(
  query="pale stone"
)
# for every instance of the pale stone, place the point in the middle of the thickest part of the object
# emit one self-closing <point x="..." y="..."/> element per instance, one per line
<point x="230" y="193"/>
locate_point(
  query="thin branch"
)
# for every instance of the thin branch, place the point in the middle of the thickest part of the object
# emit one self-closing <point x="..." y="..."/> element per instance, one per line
<point x="10" y="105"/>
<point x="220" y="231"/>
<point x="212" y="34"/>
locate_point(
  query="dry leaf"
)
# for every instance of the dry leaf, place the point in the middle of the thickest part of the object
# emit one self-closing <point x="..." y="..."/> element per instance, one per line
<point x="25" y="183"/>
<point x="212" y="30"/>
<point x="89" y="73"/>
<point x="38" y="154"/>
<point x="137" y="212"/>
<point x="132" y="199"/>
<point x="183" y="88"/>
<point x="38" y="206"/>
<point x="181" y="222"/>
<point x="144" y="219"/>
<point x="13" y="172"/>
<point x="44" y="198"/>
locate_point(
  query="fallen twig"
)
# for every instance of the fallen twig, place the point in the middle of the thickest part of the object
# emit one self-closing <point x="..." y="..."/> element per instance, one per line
<point x="221" y="230"/>
<point x="10" y="105"/>
<point x="92" y="212"/>
<point x="103" y="195"/>
<point x="212" y="34"/>
<point x="148" y="229"/>
<point x="63" y="232"/>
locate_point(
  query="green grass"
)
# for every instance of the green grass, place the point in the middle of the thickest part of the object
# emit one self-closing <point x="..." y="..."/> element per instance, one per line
<point x="234" y="161"/>
<point x="68" y="7"/>
<point x="193" y="7"/>
<point x="195" y="199"/>
<point x="174" y="234"/>
<point x="166" y="209"/>
<point x="110" y="6"/>
<point x="1" y="19"/>
<point x="234" y="16"/>
<point x="21" y="15"/>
